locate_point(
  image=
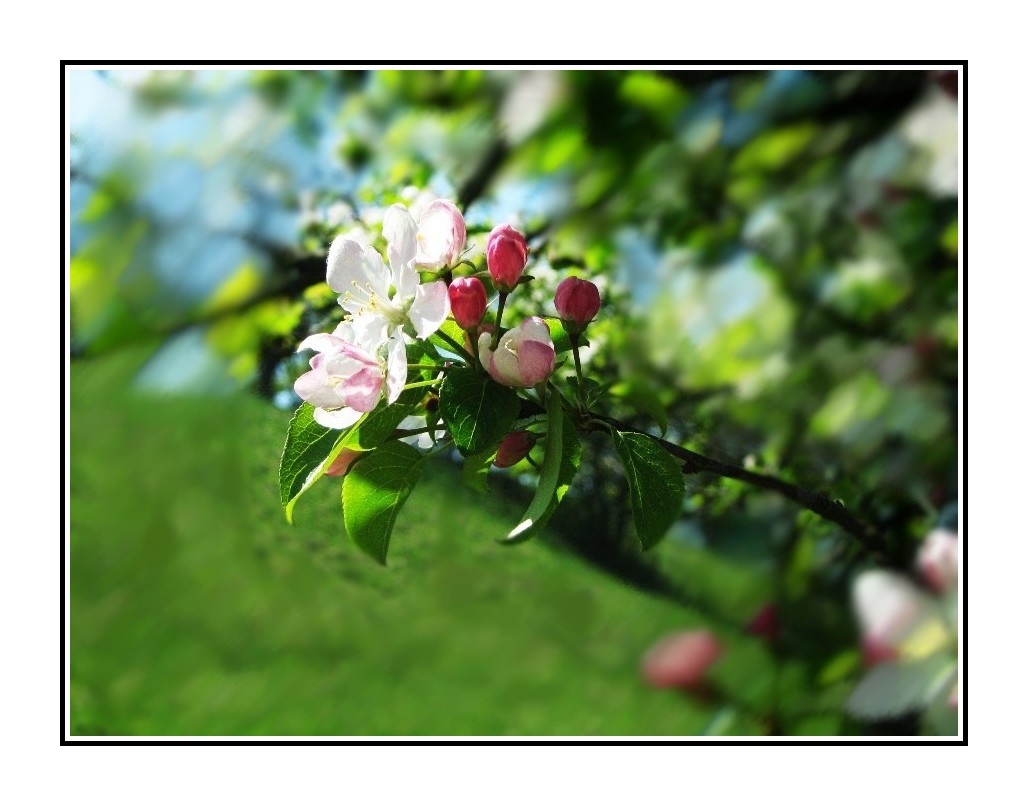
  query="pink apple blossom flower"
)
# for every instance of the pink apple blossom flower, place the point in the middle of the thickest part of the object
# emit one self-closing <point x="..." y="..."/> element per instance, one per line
<point x="523" y="358"/>
<point x="681" y="660"/>
<point x="938" y="558"/>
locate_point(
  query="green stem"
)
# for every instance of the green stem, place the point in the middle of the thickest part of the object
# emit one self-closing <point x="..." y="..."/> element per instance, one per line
<point x="419" y="384"/>
<point x="459" y="349"/>
<point x="499" y="319"/>
<point x="578" y="372"/>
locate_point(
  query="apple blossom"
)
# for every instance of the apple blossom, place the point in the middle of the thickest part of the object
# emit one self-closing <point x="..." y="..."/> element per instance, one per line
<point x="347" y="376"/>
<point x="467" y="301"/>
<point x="523" y="357"/>
<point x="681" y="660"/>
<point x="938" y="558"/>
<point x="441" y="235"/>
<point x="515" y="447"/>
<point x="577" y="302"/>
<point x="506" y="256"/>
<point x="382" y="302"/>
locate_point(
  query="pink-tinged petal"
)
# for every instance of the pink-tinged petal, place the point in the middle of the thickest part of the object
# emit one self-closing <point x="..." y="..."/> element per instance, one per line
<point x="503" y="365"/>
<point x="888" y="606"/>
<point x="342" y="462"/>
<point x="322" y="342"/>
<point x="318" y="389"/>
<point x="441" y="235"/>
<point x="534" y="329"/>
<point x="430" y="308"/>
<point x="351" y="266"/>
<point x="535" y="362"/>
<point x="397" y="367"/>
<point x="400" y="233"/>
<point x="336" y="418"/>
<point x="341" y="365"/>
<point x="363" y="390"/>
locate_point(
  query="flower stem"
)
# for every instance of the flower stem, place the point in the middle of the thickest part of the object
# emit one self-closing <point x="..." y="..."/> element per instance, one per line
<point x="419" y="384"/>
<point x="499" y="319"/>
<point x="578" y="372"/>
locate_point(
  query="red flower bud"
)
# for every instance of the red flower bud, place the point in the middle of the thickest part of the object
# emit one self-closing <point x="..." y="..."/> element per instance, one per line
<point x="681" y="659"/>
<point x="577" y="301"/>
<point x="514" y="448"/>
<point x="506" y="254"/>
<point x="342" y="462"/>
<point x="467" y="301"/>
<point x="765" y="623"/>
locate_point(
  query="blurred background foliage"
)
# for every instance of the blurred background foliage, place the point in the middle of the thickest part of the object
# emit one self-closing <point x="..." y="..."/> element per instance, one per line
<point x="777" y="253"/>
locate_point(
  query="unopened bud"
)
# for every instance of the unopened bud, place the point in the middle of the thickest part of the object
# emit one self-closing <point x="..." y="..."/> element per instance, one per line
<point x="577" y="302"/>
<point x="467" y="301"/>
<point x="938" y="558"/>
<point x="681" y="660"/>
<point x="515" y="447"/>
<point x="342" y="462"/>
<point x="765" y="623"/>
<point x="506" y="256"/>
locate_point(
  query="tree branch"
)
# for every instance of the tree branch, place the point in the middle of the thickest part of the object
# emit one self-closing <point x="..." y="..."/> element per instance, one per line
<point x="830" y="510"/>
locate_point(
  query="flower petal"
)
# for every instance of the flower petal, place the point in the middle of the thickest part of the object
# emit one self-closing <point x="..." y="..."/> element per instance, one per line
<point x="321" y="342"/>
<point x="397" y="363"/>
<point x="336" y="418"/>
<point x="503" y="365"/>
<point x="400" y="233"/>
<point x="370" y="332"/>
<point x="362" y="390"/>
<point x="430" y="308"/>
<point x="441" y="235"/>
<point x="351" y="264"/>
<point x="535" y="362"/>
<point x="534" y="329"/>
<point x="318" y="388"/>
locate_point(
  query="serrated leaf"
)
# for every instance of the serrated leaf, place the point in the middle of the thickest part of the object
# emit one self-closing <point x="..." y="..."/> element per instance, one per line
<point x="655" y="483"/>
<point x="308" y="446"/>
<point x="374" y="491"/>
<point x="560" y="464"/>
<point x="477" y="411"/>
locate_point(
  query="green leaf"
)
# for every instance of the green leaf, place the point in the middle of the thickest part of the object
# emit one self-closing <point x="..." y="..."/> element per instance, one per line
<point x="563" y="456"/>
<point x="477" y="410"/>
<point x="308" y="446"/>
<point x="476" y="469"/>
<point x="373" y="492"/>
<point x="378" y="425"/>
<point x="655" y="482"/>
<point x="451" y="329"/>
<point x="561" y="337"/>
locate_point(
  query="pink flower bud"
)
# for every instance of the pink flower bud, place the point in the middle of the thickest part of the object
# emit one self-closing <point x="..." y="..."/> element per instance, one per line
<point x="441" y="235"/>
<point x="765" y="623"/>
<point x="506" y="254"/>
<point x="467" y="301"/>
<point x="342" y="462"/>
<point x="681" y="659"/>
<point x="938" y="559"/>
<point x="515" y="447"/>
<point x="523" y="358"/>
<point x="577" y="301"/>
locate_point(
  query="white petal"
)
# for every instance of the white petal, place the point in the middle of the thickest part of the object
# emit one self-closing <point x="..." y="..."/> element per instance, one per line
<point x="485" y="352"/>
<point x="339" y="418"/>
<point x="350" y="265"/>
<point x="396" y="377"/>
<point x="533" y="329"/>
<point x="370" y="332"/>
<point x="430" y="308"/>
<point x="322" y="342"/>
<point x="400" y="233"/>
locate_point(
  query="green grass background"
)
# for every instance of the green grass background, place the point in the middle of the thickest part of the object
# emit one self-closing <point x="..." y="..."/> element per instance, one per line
<point x="196" y="610"/>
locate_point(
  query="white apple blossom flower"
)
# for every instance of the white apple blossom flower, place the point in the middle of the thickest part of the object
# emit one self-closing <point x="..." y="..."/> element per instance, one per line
<point x="382" y="302"/>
